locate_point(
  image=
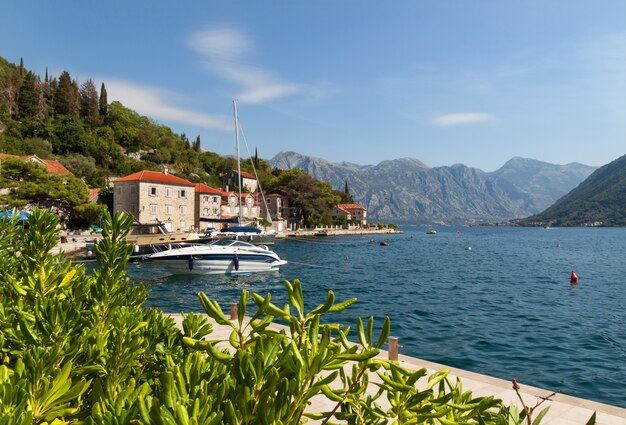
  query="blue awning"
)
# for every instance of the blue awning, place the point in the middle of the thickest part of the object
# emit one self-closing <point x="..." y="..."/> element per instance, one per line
<point x="21" y="215"/>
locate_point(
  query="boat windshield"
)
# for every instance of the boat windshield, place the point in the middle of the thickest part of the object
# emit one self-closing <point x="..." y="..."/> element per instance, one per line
<point x="230" y="242"/>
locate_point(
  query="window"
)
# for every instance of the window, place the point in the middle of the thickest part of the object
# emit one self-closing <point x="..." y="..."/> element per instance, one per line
<point x="152" y="191"/>
<point x="153" y="209"/>
<point x="205" y="211"/>
<point x="182" y="209"/>
<point x="168" y="192"/>
<point x="216" y="199"/>
<point x="168" y="209"/>
<point x="205" y="199"/>
<point x="182" y="193"/>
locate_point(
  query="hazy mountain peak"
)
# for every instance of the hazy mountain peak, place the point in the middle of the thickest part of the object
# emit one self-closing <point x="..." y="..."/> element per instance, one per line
<point x="406" y="190"/>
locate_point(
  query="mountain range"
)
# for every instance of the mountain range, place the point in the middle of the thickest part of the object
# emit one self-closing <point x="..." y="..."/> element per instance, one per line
<point x="407" y="191"/>
<point x="599" y="200"/>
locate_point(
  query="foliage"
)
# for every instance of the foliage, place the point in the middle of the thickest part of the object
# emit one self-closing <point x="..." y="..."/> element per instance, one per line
<point x="80" y="347"/>
<point x="600" y="199"/>
<point x="31" y="183"/>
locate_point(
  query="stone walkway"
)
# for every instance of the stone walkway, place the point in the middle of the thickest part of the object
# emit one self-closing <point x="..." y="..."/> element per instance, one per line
<point x="564" y="409"/>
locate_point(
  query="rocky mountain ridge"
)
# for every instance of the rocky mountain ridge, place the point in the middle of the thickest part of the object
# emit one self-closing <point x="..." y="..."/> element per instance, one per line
<point x="406" y="190"/>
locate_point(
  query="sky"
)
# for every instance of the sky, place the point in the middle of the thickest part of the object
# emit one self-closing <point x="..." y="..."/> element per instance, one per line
<point x="474" y="82"/>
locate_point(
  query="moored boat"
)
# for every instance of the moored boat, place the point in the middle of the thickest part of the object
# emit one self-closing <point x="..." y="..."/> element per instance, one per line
<point x="222" y="256"/>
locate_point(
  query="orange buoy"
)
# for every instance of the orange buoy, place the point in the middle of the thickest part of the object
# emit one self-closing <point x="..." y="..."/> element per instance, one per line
<point x="573" y="277"/>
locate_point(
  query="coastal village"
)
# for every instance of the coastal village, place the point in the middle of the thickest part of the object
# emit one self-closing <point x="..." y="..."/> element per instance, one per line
<point x="181" y="205"/>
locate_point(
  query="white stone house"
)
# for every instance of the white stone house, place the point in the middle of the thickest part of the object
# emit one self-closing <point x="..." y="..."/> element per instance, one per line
<point x="208" y="204"/>
<point x="249" y="206"/>
<point x="151" y="196"/>
<point x="351" y="212"/>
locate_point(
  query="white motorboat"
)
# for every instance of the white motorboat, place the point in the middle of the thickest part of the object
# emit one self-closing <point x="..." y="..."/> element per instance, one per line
<point x="218" y="257"/>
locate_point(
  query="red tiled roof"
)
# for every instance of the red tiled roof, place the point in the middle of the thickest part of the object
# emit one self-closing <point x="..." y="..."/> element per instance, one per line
<point x="247" y="175"/>
<point x="343" y="210"/>
<point x="203" y="188"/>
<point x="155" y="177"/>
<point x="55" y="166"/>
<point x="350" y="207"/>
<point x="93" y="194"/>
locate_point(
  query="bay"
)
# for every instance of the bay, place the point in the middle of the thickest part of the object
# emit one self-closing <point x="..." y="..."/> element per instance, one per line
<point x="503" y="308"/>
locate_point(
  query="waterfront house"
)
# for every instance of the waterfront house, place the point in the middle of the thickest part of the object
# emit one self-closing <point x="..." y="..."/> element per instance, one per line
<point x="352" y="212"/>
<point x="208" y="205"/>
<point x="152" y="196"/>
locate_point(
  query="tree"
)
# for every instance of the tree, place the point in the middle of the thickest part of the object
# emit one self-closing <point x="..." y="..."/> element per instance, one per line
<point x="197" y="147"/>
<point x="30" y="97"/>
<point x="89" y="103"/>
<point x="103" y="104"/>
<point x="65" y="98"/>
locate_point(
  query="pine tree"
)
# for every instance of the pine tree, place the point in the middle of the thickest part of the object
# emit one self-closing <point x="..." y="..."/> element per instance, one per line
<point x="197" y="145"/>
<point x="65" y="96"/>
<point x="29" y="97"/>
<point x="103" y="104"/>
<point x="89" y="108"/>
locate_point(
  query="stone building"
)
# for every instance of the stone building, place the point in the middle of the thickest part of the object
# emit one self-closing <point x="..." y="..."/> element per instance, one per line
<point x="151" y="196"/>
<point x="208" y="205"/>
<point x="354" y="212"/>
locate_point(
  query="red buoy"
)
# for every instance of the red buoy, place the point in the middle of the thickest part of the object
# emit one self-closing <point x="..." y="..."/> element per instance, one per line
<point x="573" y="277"/>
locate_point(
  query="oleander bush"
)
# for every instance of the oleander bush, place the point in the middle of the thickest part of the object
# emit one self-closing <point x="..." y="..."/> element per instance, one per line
<point x="80" y="347"/>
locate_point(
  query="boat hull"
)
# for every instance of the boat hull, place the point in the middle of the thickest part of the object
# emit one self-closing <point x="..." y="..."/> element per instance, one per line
<point x="218" y="264"/>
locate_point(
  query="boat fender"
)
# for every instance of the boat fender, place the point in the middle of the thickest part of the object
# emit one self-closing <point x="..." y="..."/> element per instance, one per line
<point x="136" y="248"/>
<point x="191" y="262"/>
<point x="236" y="262"/>
<point x="573" y="277"/>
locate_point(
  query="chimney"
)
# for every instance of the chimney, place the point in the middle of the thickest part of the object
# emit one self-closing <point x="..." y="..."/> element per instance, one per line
<point x="165" y="169"/>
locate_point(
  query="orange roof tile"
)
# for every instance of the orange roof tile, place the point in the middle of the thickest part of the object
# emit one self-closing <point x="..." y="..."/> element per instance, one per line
<point x="55" y="166"/>
<point x="351" y="207"/>
<point x="93" y="194"/>
<point x="247" y="175"/>
<point x="155" y="177"/>
<point x="203" y="188"/>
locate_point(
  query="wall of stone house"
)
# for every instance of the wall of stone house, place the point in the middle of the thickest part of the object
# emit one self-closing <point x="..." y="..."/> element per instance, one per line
<point x="125" y="198"/>
<point x="136" y="198"/>
<point x="207" y="205"/>
<point x="167" y="205"/>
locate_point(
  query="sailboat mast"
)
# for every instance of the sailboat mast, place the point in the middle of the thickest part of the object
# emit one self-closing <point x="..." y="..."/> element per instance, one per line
<point x="238" y="161"/>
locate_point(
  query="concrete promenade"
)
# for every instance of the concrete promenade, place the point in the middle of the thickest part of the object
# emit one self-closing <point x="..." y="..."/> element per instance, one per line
<point x="564" y="409"/>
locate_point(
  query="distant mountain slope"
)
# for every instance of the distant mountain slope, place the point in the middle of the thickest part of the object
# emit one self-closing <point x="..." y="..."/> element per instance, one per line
<point x="600" y="199"/>
<point x="538" y="184"/>
<point x="408" y="191"/>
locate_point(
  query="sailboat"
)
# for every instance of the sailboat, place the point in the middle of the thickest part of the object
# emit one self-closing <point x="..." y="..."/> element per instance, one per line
<point x="248" y="232"/>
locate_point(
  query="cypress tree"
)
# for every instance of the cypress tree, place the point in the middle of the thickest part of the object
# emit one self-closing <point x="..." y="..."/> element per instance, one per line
<point x="103" y="104"/>
<point x="197" y="145"/>
<point x="346" y="191"/>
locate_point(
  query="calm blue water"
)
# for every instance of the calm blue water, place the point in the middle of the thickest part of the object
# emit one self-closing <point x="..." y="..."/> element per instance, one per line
<point x="504" y="308"/>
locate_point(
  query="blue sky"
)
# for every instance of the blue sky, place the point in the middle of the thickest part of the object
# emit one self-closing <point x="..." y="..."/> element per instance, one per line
<point x="472" y="82"/>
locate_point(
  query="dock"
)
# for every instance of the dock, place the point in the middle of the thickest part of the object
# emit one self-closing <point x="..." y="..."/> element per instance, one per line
<point x="564" y="409"/>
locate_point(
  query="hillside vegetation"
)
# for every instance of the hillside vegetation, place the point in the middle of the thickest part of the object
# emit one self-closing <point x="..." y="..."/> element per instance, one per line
<point x="58" y="118"/>
<point x="599" y="200"/>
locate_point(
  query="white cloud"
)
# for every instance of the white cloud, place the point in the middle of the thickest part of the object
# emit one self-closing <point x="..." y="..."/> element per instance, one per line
<point x="155" y="103"/>
<point x="223" y="50"/>
<point x="462" y="118"/>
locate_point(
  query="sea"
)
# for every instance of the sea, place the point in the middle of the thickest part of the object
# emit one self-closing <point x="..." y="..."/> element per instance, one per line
<point x="493" y="300"/>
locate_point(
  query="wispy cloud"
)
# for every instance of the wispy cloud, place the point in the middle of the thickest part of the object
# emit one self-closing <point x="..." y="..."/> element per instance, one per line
<point x="156" y="103"/>
<point x="462" y="118"/>
<point x="223" y="50"/>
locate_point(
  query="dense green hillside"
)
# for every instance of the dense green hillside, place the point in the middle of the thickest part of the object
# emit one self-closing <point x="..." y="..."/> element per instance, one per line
<point x="599" y="200"/>
<point x="55" y="118"/>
